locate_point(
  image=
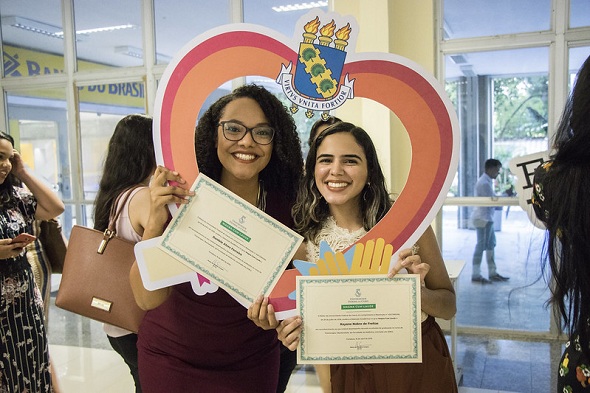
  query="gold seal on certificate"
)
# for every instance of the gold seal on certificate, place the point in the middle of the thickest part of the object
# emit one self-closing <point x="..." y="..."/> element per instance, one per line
<point x="359" y="319"/>
<point x="229" y="241"/>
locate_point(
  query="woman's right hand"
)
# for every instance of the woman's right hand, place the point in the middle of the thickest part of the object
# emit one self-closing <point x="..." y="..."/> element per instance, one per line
<point x="9" y="249"/>
<point x="289" y="332"/>
<point x="162" y="194"/>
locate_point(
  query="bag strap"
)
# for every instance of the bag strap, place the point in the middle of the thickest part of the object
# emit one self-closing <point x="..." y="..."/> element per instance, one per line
<point x="115" y="213"/>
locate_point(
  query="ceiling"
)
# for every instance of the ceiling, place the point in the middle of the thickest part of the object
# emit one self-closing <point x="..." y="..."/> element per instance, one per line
<point x="179" y="21"/>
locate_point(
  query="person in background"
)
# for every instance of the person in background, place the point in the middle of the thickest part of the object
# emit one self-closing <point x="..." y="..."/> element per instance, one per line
<point x="560" y="200"/>
<point x="341" y="197"/>
<point x="483" y="221"/>
<point x="244" y="141"/>
<point x="24" y="364"/>
<point x="128" y="167"/>
<point x="319" y="126"/>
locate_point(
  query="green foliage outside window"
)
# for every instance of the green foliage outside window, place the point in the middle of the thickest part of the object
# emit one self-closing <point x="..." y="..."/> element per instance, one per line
<point x="520" y="107"/>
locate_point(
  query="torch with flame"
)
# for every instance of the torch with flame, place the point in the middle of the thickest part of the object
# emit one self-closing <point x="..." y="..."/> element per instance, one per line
<point x="342" y="36"/>
<point x="311" y="29"/>
<point x="326" y="33"/>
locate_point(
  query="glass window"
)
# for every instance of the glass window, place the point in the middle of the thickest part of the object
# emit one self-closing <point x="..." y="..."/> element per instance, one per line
<point x="502" y="107"/>
<point x="577" y="57"/>
<point x="38" y="122"/>
<point x="478" y="18"/>
<point x="97" y="126"/>
<point x="106" y="36"/>
<point x="176" y="26"/>
<point x="579" y="13"/>
<point x="101" y="108"/>
<point x="32" y="37"/>
<point x="518" y="303"/>
<point x="279" y="15"/>
<point x="501" y="98"/>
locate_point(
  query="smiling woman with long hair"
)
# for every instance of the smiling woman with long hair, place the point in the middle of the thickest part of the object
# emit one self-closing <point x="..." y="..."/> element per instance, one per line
<point x="128" y="166"/>
<point x="341" y="197"/>
<point x="247" y="142"/>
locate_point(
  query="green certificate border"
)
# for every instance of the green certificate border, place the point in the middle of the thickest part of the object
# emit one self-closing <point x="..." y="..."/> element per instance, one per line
<point x="202" y="182"/>
<point x="416" y="331"/>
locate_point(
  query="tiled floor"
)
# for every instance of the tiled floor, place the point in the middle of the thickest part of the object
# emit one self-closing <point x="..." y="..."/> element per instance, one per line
<point x="92" y="370"/>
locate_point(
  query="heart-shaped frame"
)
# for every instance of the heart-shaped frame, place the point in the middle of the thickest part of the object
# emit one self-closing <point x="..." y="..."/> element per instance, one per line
<point x="414" y="95"/>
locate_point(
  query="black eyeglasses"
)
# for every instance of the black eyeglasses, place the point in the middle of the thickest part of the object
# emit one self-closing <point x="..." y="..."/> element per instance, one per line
<point x="233" y="131"/>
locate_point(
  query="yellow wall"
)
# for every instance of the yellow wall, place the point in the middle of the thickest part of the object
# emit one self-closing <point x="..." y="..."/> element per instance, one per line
<point x="405" y="28"/>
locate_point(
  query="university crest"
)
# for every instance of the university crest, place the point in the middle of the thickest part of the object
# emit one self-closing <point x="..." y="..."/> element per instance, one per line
<point x="316" y="83"/>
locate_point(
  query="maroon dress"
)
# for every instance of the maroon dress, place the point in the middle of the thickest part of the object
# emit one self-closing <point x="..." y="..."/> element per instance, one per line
<point x="206" y="343"/>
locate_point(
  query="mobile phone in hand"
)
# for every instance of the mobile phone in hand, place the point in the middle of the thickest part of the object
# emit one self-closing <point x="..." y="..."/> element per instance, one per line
<point x="23" y="238"/>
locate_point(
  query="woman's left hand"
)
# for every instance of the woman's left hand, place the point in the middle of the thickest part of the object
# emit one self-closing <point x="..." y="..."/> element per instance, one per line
<point x="411" y="261"/>
<point x="18" y="166"/>
<point x="8" y="249"/>
<point x="262" y="313"/>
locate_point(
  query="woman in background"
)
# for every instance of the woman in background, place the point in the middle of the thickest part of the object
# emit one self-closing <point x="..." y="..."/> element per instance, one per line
<point x="24" y="364"/>
<point x="560" y="200"/>
<point x="128" y="166"/>
<point x="319" y="126"/>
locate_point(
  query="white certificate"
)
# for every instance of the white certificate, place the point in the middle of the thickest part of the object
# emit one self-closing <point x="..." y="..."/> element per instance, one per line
<point x="359" y="319"/>
<point x="229" y="241"/>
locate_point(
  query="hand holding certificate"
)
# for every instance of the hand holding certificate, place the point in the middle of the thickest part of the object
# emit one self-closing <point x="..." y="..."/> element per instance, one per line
<point x="229" y="241"/>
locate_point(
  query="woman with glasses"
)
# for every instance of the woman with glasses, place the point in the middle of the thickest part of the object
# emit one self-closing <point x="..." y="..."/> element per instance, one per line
<point x="246" y="141"/>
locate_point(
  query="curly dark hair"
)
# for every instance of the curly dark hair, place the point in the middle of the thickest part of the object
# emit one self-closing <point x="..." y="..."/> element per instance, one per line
<point x="7" y="192"/>
<point x="567" y="247"/>
<point x="130" y="161"/>
<point x="284" y="170"/>
<point x="310" y="209"/>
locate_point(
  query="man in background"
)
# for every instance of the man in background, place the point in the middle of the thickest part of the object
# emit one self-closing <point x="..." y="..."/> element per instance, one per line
<point x="483" y="221"/>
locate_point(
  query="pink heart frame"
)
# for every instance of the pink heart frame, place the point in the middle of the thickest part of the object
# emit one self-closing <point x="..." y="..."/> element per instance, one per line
<point x="401" y="85"/>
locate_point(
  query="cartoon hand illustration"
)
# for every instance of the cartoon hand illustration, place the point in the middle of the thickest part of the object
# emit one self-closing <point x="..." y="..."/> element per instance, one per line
<point x="373" y="257"/>
<point x="331" y="264"/>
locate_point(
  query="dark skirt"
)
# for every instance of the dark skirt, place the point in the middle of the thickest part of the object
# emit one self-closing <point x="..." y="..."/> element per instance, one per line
<point x="434" y="374"/>
<point x="24" y="364"/>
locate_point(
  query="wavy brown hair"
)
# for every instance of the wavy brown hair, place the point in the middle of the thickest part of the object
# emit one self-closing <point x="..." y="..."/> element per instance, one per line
<point x="310" y="209"/>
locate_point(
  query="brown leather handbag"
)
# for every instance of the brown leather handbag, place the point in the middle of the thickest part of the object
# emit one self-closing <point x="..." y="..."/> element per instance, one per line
<point x="95" y="278"/>
<point x="54" y="243"/>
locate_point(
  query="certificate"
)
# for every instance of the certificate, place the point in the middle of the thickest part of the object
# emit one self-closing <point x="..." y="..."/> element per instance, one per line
<point x="359" y="319"/>
<point x="229" y="241"/>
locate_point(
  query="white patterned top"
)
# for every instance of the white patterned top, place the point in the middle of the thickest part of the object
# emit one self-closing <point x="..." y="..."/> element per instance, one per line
<point x="338" y="238"/>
